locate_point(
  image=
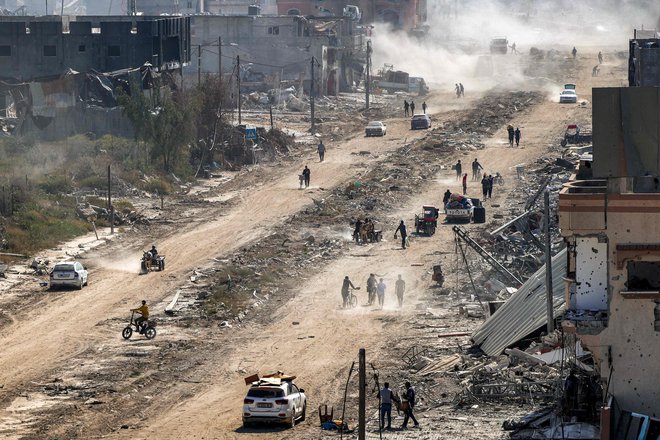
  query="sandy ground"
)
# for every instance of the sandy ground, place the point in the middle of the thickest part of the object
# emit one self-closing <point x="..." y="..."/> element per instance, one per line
<point x="83" y="326"/>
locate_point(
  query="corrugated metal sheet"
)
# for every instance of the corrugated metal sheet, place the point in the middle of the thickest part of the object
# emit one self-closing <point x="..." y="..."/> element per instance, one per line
<point x="524" y="312"/>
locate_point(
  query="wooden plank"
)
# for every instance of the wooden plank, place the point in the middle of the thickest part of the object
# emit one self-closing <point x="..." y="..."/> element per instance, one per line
<point x="448" y="335"/>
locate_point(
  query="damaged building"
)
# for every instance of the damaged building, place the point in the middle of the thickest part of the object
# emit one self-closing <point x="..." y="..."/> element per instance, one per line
<point x="276" y="48"/>
<point x="56" y="76"/>
<point x="610" y="217"/>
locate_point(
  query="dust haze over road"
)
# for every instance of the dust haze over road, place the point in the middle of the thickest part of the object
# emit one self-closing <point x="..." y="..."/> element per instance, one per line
<point x="76" y="334"/>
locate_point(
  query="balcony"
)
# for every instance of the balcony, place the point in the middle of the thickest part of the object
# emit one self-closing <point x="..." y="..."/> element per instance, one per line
<point x="582" y="205"/>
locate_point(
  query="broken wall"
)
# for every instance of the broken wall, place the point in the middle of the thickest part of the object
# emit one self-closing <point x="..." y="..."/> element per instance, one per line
<point x="65" y="122"/>
<point x="626" y="132"/>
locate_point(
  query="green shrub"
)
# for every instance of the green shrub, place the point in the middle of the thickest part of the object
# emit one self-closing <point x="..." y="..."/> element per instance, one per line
<point x="56" y="184"/>
<point x="158" y="185"/>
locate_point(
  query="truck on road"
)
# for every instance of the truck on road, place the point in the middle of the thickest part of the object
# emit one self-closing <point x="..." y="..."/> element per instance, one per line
<point x="397" y="80"/>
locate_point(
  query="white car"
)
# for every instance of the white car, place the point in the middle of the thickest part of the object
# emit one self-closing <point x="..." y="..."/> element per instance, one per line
<point x="568" y="95"/>
<point x="269" y="402"/>
<point x="376" y="128"/>
<point x="68" y="273"/>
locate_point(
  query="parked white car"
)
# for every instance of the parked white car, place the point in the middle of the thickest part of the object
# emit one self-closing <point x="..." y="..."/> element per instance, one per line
<point x="568" y="95"/>
<point x="268" y="402"/>
<point x="68" y="273"/>
<point x="376" y="128"/>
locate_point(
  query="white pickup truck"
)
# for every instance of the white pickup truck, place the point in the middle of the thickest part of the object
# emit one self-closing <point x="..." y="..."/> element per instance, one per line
<point x="459" y="208"/>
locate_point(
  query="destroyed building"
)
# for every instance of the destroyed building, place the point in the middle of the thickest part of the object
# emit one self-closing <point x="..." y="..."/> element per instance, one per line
<point x="609" y="216"/>
<point x="273" y="48"/>
<point x="36" y="47"/>
<point x="59" y="74"/>
<point x="644" y="60"/>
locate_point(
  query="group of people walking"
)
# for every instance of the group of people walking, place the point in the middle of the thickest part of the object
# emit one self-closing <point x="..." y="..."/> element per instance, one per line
<point x="375" y="290"/>
<point x="486" y="180"/>
<point x="460" y="90"/>
<point x="514" y="135"/>
<point x="407" y="405"/>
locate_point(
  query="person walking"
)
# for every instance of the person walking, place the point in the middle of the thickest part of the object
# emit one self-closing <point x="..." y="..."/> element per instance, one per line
<point x="404" y="234"/>
<point x="476" y="168"/>
<point x="371" y="289"/>
<point x="408" y="412"/>
<point x="465" y="184"/>
<point x="306" y="175"/>
<point x="490" y="186"/>
<point x="510" y="130"/>
<point x="574" y="52"/>
<point x="458" y="91"/>
<point x="380" y="291"/>
<point x="445" y="198"/>
<point x="412" y="108"/>
<point x="513" y="48"/>
<point x="399" y="289"/>
<point x="462" y="89"/>
<point x="459" y="169"/>
<point x="424" y="107"/>
<point x="345" y="291"/>
<point x="600" y="57"/>
<point x="484" y="186"/>
<point x="406" y="106"/>
<point x="321" y="149"/>
<point x="516" y="134"/>
<point x="386" y="396"/>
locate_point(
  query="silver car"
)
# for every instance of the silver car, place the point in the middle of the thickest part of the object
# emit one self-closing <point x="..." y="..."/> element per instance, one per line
<point x="376" y="128"/>
<point x="274" y="403"/>
<point x="68" y="274"/>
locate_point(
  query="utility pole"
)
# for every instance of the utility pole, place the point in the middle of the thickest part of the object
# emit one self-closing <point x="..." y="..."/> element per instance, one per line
<point x="110" y="207"/>
<point x="548" y="265"/>
<point x="367" y="83"/>
<point x="362" y="407"/>
<point x="199" y="64"/>
<point x="311" y="99"/>
<point x="220" y="59"/>
<point x="238" y="80"/>
<point x="270" y="109"/>
<point x="46" y="7"/>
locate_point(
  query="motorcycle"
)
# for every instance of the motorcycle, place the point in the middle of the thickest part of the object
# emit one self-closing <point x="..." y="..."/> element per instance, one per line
<point x="146" y="328"/>
<point x="150" y="263"/>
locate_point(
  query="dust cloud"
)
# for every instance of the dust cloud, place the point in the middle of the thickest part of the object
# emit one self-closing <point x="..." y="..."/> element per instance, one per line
<point x="459" y="35"/>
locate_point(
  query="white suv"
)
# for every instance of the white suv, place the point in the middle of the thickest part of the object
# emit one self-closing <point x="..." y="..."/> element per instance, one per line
<point x="267" y="401"/>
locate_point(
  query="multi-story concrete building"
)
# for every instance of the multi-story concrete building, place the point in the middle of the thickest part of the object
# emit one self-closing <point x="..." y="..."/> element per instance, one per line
<point x="610" y="218"/>
<point x="282" y="46"/>
<point x="33" y="47"/>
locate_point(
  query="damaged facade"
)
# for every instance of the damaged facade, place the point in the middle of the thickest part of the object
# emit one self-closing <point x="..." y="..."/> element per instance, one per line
<point x="610" y="217"/>
<point x="52" y="87"/>
<point x="272" y="49"/>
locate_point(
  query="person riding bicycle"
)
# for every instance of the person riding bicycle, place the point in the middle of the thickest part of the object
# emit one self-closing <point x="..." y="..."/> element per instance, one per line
<point x="144" y="315"/>
<point x="345" y="292"/>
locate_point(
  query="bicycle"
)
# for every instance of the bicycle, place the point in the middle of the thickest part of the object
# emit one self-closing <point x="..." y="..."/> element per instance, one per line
<point x="352" y="299"/>
<point x="498" y="179"/>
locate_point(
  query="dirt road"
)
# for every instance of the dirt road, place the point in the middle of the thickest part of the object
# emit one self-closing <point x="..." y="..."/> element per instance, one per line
<point x="76" y="331"/>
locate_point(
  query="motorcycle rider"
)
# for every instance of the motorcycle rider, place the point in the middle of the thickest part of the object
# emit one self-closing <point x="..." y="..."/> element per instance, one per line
<point x="154" y="252"/>
<point x="345" y="293"/>
<point x="144" y="316"/>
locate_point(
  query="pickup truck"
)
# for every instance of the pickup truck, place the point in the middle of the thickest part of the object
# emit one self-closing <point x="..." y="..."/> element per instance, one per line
<point x="459" y="208"/>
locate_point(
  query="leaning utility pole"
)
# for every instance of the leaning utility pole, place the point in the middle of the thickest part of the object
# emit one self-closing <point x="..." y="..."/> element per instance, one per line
<point x="220" y="59"/>
<point x="367" y="83"/>
<point x="362" y="406"/>
<point x="311" y="99"/>
<point x="110" y="207"/>
<point x="238" y="80"/>
<point x="548" y="265"/>
<point x="199" y="64"/>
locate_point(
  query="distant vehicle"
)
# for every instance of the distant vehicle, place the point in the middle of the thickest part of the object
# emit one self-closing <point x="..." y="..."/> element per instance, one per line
<point x="68" y="273"/>
<point x="398" y="81"/>
<point x="568" y="95"/>
<point x="420" y="121"/>
<point x="376" y="128"/>
<point x="274" y="401"/>
<point x="352" y="12"/>
<point x="499" y="45"/>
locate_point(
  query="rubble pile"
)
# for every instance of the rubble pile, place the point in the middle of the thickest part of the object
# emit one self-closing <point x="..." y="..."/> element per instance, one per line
<point x="496" y="109"/>
<point x="92" y="213"/>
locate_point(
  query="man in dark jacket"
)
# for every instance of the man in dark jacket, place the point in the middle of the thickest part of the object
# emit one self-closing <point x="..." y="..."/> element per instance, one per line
<point x="371" y="288"/>
<point x="408" y="412"/>
<point x="445" y="198"/>
<point x="306" y="174"/>
<point x="345" y="291"/>
<point x="404" y="234"/>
